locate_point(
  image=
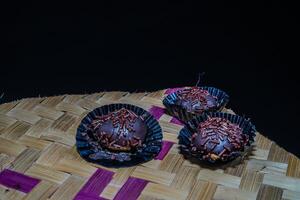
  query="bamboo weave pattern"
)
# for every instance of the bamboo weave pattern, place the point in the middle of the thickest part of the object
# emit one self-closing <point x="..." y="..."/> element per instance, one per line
<point x="38" y="158"/>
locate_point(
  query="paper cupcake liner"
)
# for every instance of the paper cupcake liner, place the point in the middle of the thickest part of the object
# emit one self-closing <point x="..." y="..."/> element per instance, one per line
<point x="89" y="150"/>
<point x="180" y="113"/>
<point x="186" y="133"/>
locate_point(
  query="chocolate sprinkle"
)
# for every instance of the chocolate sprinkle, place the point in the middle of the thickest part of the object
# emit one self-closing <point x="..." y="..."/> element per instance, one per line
<point x="217" y="139"/>
<point x="196" y="100"/>
<point x="121" y="130"/>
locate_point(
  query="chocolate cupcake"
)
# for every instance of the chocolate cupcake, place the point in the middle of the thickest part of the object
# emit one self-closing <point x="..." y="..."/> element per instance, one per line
<point x="193" y="101"/>
<point x="216" y="137"/>
<point x="118" y="135"/>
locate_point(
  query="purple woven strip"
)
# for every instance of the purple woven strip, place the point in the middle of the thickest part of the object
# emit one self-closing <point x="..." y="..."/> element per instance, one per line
<point x="88" y="197"/>
<point x="132" y="189"/>
<point x="156" y="111"/>
<point x="95" y="185"/>
<point x="18" y="181"/>
<point x="167" y="145"/>
<point x="176" y="121"/>
<point x="171" y="90"/>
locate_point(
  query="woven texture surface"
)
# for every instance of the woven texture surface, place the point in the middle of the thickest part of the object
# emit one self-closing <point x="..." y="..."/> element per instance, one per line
<point x="38" y="158"/>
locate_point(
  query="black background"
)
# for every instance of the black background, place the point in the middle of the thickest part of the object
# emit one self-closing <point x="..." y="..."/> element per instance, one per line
<point x="249" y="50"/>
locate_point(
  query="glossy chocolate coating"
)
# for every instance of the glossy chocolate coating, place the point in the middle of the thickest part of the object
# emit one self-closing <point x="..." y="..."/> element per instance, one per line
<point x="218" y="139"/>
<point x="196" y="100"/>
<point x="121" y="130"/>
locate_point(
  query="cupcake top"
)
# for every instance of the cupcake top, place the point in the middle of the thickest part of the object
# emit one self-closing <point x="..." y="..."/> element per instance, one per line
<point x="218" y="139"/>
<point x="196" y="100"/>
<point x="121" y="130"/>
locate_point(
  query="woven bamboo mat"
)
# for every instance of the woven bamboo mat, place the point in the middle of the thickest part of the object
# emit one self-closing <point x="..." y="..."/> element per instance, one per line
<point x="38" y="158"/>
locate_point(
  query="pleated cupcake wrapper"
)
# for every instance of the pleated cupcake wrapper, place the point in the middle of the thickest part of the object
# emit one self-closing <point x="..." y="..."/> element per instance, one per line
<point x="186" y="133"/>
<point x="180" y="113"/>
<point x="91" y="151"/>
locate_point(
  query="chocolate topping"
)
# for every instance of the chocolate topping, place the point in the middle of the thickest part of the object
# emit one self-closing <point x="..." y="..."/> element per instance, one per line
<point x="218" y="138"/>
<point x="196" y="100"/>
<point x="121" y="130"/>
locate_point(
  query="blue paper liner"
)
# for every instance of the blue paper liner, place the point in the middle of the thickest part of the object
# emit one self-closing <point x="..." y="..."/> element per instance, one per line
<point x="89" y="149"/>
<point x="180" y="113"/>
<point x="187" y="131"/>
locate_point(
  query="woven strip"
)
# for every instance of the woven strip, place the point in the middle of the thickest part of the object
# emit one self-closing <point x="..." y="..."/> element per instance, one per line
<point x="132" y="189"/>
<point x="17" y="181"/>
<point x="96" y="184"/>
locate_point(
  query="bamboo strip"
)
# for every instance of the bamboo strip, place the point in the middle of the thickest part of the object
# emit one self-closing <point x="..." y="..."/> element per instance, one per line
<point x="68" y="189"/>
<point x="156" y="176"/>
<point x="269" y="192"/>
<point x="24" y="115"/>
<point x="202" y="190"/>
<point x="42" y="191"/>
<point x="226" y="193"/>
<point x="10" y="148"/>
<point x="164" y="192"/>
<point x="293" y="169"/>
<point x="219" y="178"/>
<point x="47" y="174"/>
<point x="47" y="112"/>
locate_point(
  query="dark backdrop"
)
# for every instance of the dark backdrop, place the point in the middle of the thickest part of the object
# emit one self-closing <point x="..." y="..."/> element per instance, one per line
<point x="247" y="50"/>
